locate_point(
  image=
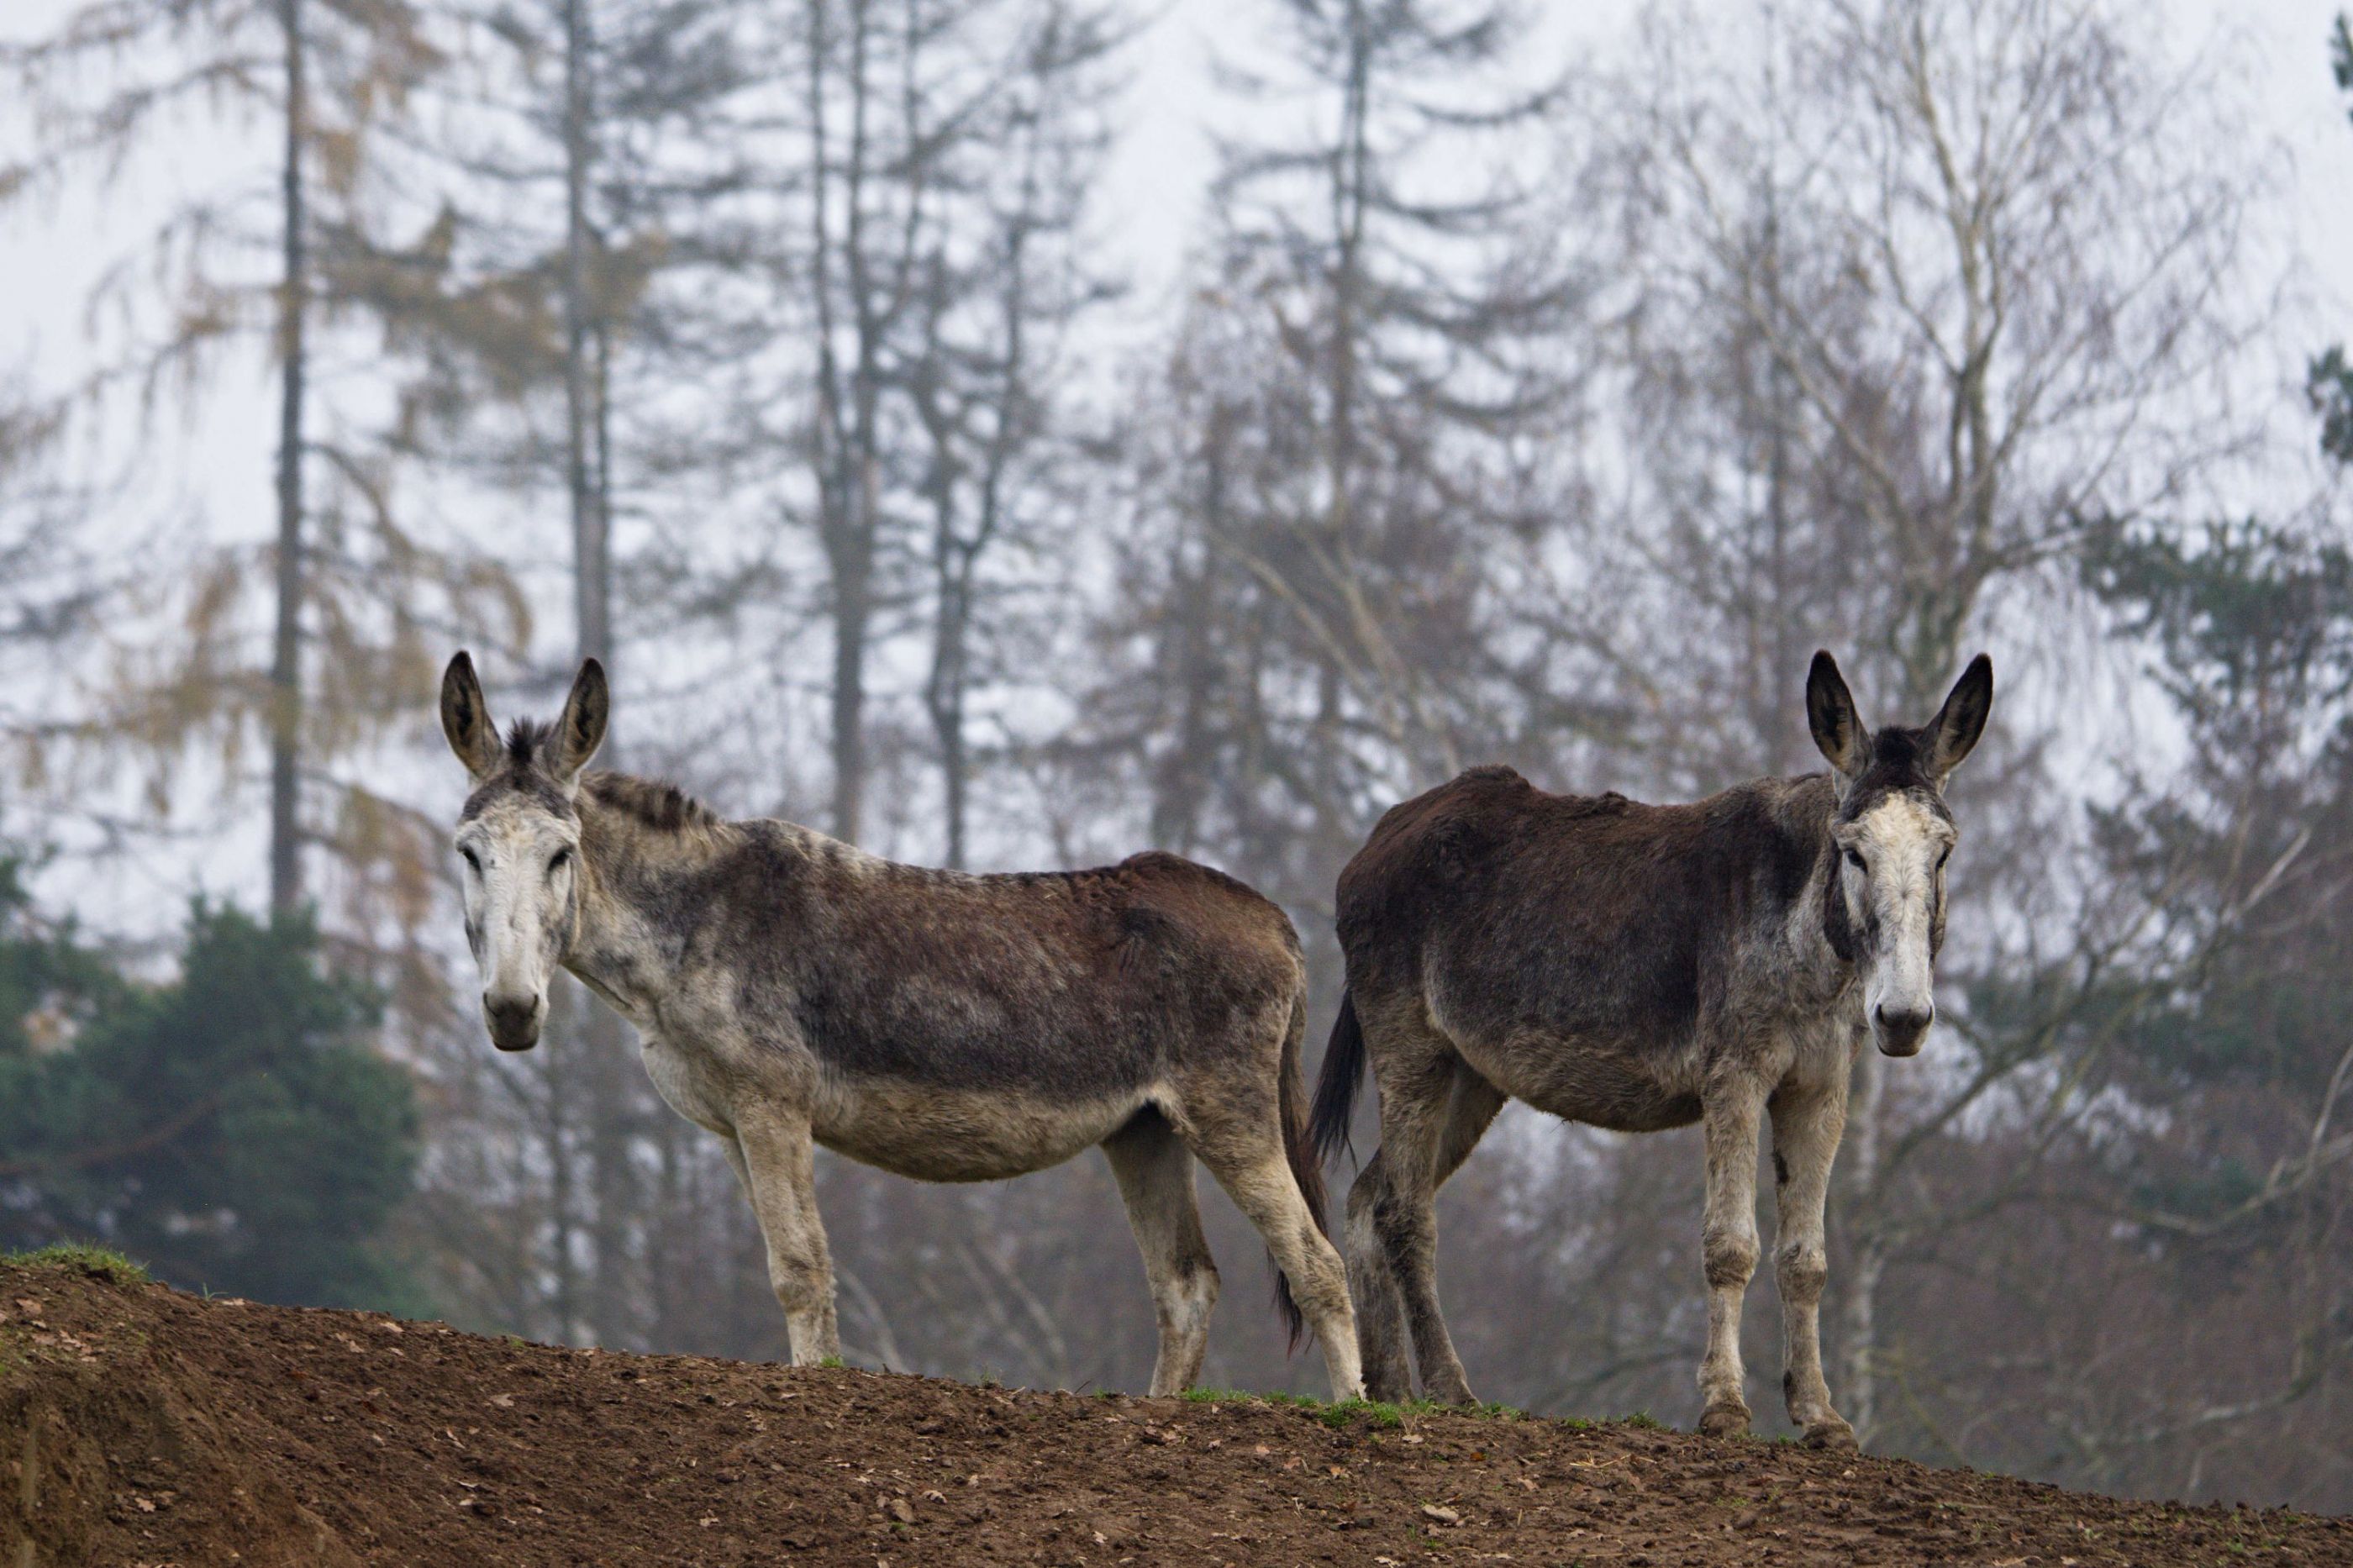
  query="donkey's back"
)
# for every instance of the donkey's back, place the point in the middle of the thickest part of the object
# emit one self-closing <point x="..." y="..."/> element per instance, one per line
<point x="1071" y="985"/>
<point x="1510" y="913"/>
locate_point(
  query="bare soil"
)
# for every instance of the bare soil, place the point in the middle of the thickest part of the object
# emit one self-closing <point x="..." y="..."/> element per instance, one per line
<point x="139" y="1424"/>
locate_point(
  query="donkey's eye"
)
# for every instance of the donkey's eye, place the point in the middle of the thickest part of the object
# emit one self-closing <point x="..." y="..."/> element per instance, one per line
<point x="562" y="858"/>
<point x="1944" y="857"/>
<point x="467" y="852"/>
<point x="1854" y="858"/>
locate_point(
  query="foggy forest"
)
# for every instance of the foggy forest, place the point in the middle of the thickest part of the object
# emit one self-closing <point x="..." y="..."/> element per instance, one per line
<point x="928" y="467"/>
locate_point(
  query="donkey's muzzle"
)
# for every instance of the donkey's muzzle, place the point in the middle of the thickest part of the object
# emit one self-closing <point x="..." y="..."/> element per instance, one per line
<point x="1900" y="1031"/>
<point x="513" y="1022"/>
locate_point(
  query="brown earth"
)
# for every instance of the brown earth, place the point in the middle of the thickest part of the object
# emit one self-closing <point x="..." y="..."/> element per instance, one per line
<point x="142" y="1426"/>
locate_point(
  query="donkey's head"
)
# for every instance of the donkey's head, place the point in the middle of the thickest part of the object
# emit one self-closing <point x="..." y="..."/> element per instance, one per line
<point x="519" y="839"/>
<point x="1893" y="835"/>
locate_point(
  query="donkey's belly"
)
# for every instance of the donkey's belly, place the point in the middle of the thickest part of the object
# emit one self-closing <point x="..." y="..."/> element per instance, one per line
<point x="961" y="1135"/>
<point x="1599" y="1086"/>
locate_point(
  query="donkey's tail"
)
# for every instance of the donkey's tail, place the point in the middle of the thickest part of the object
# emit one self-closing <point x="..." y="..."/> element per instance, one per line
<point x="1335" y="1092"/>
<point x="1305" y="1168"/>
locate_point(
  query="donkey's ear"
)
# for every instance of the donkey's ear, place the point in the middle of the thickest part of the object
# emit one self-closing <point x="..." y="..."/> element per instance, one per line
<point x="582" y="729"/>
<point x="1954" y="733"/>
<point x="466" y="719"/>
<point x="1830" y="713"/>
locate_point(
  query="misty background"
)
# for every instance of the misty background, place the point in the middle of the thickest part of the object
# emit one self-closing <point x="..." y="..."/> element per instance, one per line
<point x="1018" y="433"/>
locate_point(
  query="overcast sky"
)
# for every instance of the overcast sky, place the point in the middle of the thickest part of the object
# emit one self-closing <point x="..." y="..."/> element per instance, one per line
<point x="1150" y="202"/>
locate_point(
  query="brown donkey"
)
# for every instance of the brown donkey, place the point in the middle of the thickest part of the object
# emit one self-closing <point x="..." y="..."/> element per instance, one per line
<point x="790" y="991"/>
<point x="1640" y="967"/>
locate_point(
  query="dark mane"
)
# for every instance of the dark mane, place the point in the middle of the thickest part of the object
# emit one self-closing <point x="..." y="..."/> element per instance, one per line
<point x="525" y="738"/>
<point x="1898" y="765"/>
<point x="657" y="805"/>
<point x="526" y="742"/>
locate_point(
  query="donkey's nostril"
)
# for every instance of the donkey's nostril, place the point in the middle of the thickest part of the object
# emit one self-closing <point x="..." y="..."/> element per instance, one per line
<point x="513" y="1020"/>
<point x="1901" y="1027"/>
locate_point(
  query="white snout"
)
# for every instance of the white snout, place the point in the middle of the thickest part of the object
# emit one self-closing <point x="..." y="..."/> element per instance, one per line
<point x="514" y="965"/>
<point x="1904" y="844"/>
<point x="1902" y="993"/>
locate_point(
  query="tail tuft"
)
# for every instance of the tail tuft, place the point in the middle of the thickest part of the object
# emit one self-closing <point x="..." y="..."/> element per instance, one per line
<point x="1335" y="1091"/>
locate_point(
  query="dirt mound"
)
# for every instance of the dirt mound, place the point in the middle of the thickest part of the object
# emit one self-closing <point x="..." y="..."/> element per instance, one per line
<point x="142" y="1426"/>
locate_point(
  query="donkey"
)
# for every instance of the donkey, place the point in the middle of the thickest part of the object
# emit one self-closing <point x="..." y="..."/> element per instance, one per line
<point x="790" y="991"/>
<point x="1640" y="967"/>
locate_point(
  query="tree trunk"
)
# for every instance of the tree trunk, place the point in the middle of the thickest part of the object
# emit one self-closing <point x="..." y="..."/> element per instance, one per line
<point x="945" y="694"/>
<point x="1856" y="1282"/>
<point x="555" y="1077"/>
<point x="286" y="649"/>
<point x="592" y="575"/>
<point x="853" y="575"/>
<point x="846" y="459"/>
<point x="614" y="1307"/>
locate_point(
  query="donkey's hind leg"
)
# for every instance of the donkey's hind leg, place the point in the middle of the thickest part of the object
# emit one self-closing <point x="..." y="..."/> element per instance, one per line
<point x="775" y="1159"/>
<point x="1155" y="1171"/>
<point x="1472" y="1107"/>
<point x="1373" y="1288"/>
<point x="1433" y="1111"/>
<point x="1244" y="1151"/>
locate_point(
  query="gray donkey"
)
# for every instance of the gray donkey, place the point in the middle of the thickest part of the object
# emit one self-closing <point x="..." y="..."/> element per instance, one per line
<point x="791" y="991"/>
<point x="1640" y="967"/>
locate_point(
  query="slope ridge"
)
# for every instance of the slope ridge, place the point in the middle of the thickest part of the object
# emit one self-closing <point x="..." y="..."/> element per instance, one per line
<point x="142" y="1424"/>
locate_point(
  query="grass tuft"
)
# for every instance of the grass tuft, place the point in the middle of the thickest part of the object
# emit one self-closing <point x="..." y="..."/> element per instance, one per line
<point x="1379" y="1413"/>
<point x="1642" y="1421"/>
<point x="98" y="1262"/>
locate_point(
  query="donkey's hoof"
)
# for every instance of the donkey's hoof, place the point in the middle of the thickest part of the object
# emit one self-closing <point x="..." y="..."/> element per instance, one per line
<point x="1832" y="1431"/>
<point x="1724" y="1421"/>
<point x="1449" y="1388"/>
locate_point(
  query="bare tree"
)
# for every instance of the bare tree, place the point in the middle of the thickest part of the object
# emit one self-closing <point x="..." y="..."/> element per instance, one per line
<point x="999" y="307"/>
<point x="1332" y="485"/>
<point x="234" y="266"/>
<point x="1961" y="273"/>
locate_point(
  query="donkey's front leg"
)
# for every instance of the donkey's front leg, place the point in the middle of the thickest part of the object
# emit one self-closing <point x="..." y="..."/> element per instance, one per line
<point x="1806" y="1124"/>
<point x="1728" y="1113"/>
<point x="776" y="1159"/>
